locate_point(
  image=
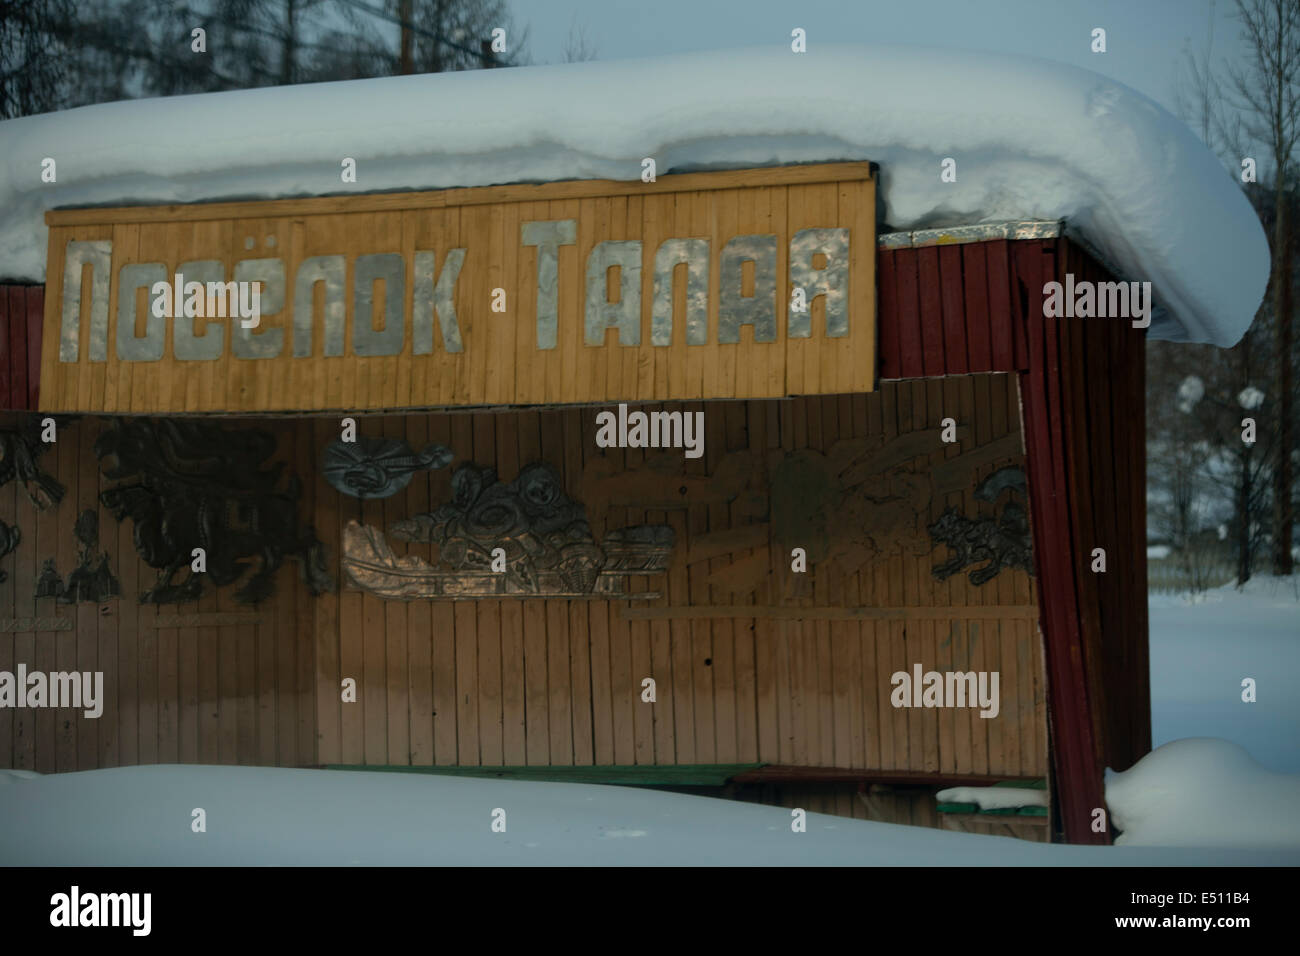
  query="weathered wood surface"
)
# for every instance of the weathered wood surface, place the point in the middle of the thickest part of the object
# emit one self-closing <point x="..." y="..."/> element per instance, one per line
<point x="502" y="361"/>
<point x="508" y="682"/>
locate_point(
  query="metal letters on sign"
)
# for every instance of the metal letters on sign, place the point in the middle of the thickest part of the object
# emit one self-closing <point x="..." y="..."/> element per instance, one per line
<point x="831" y="281"/>
<point x="663" y="280"/>
<point x="529" y="528"/>
<point x="191" y="485"/>
<point x="548" y="237"/>
<point x="735" y="308"/>
<point x="694" y="254"/>
<point x="378" y="467"/>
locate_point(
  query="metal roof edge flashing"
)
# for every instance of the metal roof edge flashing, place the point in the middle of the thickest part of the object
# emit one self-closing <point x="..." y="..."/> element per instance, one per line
<point x="953" y="235"/>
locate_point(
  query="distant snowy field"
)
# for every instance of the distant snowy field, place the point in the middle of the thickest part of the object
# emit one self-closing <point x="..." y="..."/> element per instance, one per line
<point x="1201" y="651"/>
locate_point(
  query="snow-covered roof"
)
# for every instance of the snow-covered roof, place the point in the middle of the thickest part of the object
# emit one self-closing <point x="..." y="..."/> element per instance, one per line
<point x="1031" y="139"/>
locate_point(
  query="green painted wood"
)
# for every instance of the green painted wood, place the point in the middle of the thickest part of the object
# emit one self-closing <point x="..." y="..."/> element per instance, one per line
<point x="995" y="812"/>
<point x="642" y="775"/>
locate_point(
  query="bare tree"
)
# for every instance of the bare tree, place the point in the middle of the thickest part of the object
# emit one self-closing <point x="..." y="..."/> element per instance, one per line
<point x="1266" y="90"/>
<point x="33" y="56"/>
<point x="578" y="46"/>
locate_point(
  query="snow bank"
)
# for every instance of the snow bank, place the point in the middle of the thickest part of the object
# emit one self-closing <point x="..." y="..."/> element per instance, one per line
<point x="269" y="816"/>
<point x="1204" y="792"/>
<point x="1032" y="140"/>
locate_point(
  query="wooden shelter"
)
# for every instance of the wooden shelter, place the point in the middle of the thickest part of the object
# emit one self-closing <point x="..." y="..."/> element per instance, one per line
<point x="892" y="410"/>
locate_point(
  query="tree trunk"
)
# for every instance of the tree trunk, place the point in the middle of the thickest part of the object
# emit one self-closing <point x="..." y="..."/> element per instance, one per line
<point x="287" y="54"/>
<point x="1283" y="516"/>
<point x="1244" y="492"/>
<point x="407" y="64"/>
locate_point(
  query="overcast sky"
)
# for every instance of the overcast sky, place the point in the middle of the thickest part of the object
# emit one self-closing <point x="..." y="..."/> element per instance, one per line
<point x="1145" y="38"/>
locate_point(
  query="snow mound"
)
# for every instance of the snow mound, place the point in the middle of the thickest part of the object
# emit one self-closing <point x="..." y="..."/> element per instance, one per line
<point x="256" y="816"/>
<point x="1204" y="792"/>
<point x="1032" y="140"/>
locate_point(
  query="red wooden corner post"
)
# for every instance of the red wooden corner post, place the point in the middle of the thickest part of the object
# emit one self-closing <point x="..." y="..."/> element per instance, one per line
<point x="1078" y="776"/>
<point x="5" y="351"/>
<point x="35" y="323"/>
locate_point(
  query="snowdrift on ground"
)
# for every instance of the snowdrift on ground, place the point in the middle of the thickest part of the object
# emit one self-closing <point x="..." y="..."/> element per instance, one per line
<point x="1032" y="140"/>
<point x="271" y="816"/>
<point x="1204" y="792"/>
<point x="1201" y="650"/>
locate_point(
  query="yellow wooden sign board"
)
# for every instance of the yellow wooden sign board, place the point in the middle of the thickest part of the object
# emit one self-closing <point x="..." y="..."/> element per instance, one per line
<point x="747" y="284"/>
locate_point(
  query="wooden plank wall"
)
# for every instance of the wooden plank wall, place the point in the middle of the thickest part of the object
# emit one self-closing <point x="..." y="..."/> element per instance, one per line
<point x="951" y="310"/>
<point x="21" y="309"/>
<point x="215" y="695"/>
<point x="505" y="682"/>
<point x="501" y="363"/>
<point x="1108" y="506"/>
<point x="976" y="307"/>
<point x="534" y="681"/>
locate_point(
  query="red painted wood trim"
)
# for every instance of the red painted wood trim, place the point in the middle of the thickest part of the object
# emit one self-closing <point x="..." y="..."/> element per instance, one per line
<point x="979" y="340"/>
<point x="6" y="347"/>
<point x="35" y="330"/>
<point x="891" y="363"/>
<point x="930" y="315"/>
<point x="18" y="347"/>
<point x="907" y="315"/>
<point x="1079" y="785"/>
<point x="952" y="295"/>
<point x="1001" y="316"/>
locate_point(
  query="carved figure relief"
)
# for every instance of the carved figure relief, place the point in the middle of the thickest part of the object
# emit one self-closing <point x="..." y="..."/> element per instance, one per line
<point x="9" y="538"/>
<point x="188" y="485"/>
<point x="19" y="450"/>
<point x="378" y="467"/>
<point x="89" y="581"/>
<point x="1002" y="541"/>
<point x="863" y="500"/>
<point x="543" y="534"/>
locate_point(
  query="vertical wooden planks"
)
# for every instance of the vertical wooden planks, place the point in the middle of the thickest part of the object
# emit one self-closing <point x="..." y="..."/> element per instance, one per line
<point x="488" y="622"/>
<point x="10" y="297"/>
<point x="396" y="633"/>
<point x="443" y="634"/>
<point x="419" y="620"/>
<point x="87" y="653"/>
<point x="65" y="643"/>
<point x="373" y="690"/>
<point x="930" y="317"/>
<point x="11" y="645"/>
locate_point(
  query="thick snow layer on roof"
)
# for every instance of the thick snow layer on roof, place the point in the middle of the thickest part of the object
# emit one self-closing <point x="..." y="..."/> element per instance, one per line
<point x="269" y="816"/>
<point x="1032" y="140"/>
